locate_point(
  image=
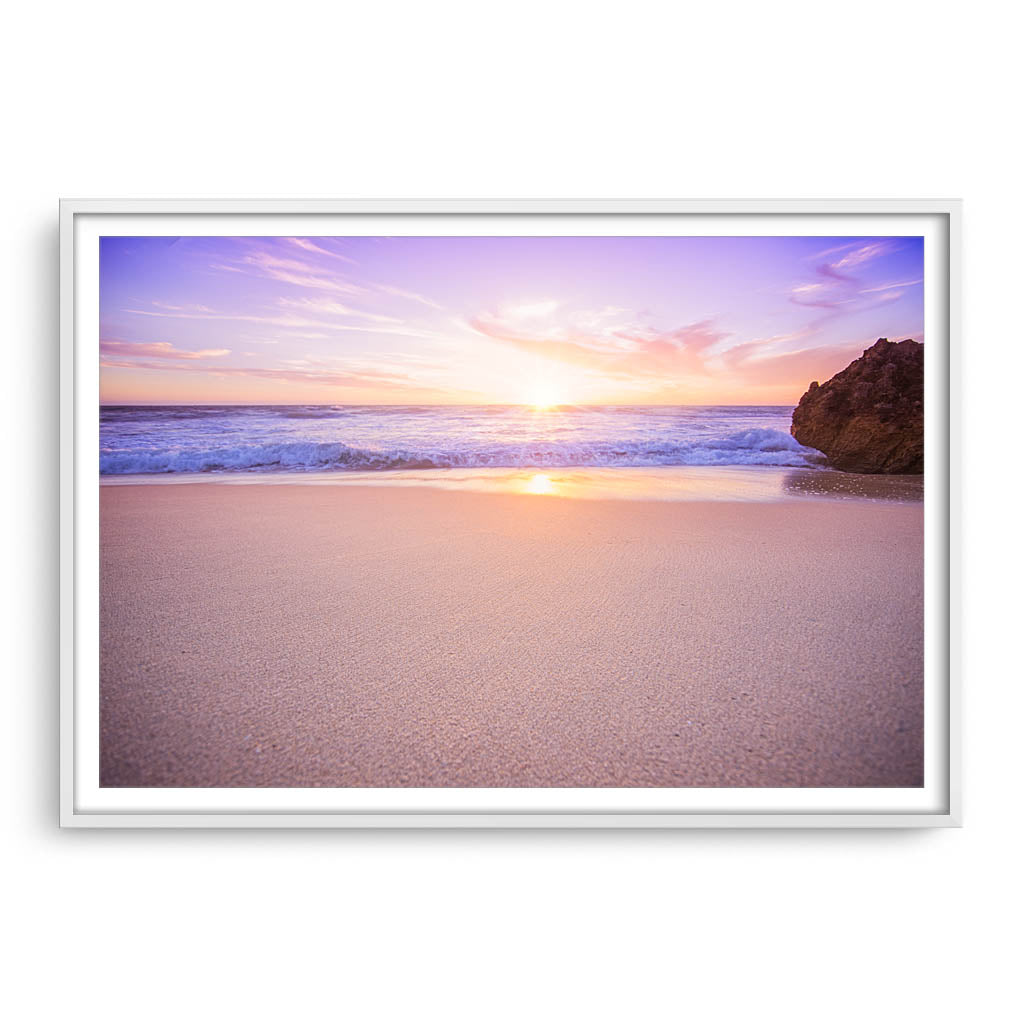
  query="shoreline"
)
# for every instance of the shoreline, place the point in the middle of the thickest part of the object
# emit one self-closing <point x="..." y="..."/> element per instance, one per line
<point x="662" y="483"/>
<point x="417" y="636"/>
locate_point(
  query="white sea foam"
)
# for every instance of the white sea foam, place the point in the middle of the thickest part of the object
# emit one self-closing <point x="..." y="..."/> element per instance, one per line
<point x="140" y="440"/>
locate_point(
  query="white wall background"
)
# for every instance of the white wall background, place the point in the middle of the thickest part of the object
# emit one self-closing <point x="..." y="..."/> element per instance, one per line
<point x="528" y="99"/>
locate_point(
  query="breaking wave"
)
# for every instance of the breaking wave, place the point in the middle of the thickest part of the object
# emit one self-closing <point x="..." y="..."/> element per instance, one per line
<point x="753" y="447"/>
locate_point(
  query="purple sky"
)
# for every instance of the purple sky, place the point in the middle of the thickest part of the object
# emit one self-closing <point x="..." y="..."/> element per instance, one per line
<point x="496" y="319"/>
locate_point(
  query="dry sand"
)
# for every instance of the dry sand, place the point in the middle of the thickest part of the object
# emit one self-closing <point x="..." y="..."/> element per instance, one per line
<point x="371" y="636"/>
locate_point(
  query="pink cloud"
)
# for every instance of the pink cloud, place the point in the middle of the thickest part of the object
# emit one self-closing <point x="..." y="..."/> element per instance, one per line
<point x="310" y="374"/>
<point x="622" y="351"/>
<point x="691" y="354"/>
<point x="752" y="364"/>
<point x="156" y="350"/>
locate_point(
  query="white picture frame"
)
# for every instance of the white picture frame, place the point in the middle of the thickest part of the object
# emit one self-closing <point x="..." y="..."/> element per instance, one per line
<point x="82" y="220"/>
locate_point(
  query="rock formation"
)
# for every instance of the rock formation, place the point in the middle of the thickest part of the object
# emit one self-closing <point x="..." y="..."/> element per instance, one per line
<point x="870" y="417"/>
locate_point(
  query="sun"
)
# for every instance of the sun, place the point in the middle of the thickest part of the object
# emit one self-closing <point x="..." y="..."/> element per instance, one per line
<point x="543" y="395"/>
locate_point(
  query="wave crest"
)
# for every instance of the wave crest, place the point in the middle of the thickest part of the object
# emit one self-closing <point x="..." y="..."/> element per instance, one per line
<point x="756" y="447"/>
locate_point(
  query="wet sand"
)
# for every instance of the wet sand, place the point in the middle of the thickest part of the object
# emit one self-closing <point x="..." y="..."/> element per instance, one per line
<point x="298" y="635"/>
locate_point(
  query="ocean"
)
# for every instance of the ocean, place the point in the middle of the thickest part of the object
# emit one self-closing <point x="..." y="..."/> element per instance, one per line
<point x="296" y="439"/>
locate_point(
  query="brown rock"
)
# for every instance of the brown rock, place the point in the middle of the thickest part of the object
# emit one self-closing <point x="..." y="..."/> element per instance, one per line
<point x="870" y="417"/>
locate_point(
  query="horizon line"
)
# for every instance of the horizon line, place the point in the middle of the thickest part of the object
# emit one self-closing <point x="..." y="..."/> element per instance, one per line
<point x="447" y="405"/>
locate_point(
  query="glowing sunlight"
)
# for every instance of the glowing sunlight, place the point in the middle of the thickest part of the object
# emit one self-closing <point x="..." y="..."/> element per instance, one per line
<point x="540" y="483"/>
<point x="544" y="395"/>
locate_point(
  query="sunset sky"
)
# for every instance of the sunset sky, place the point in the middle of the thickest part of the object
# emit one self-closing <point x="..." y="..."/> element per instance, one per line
<point x="537" y="320"/>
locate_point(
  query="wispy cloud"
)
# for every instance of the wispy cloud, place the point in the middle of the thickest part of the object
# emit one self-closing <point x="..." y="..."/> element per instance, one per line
<point x="890" y="287"/>
<point x="310" y="246"/>
<point x="821" y="294"/>
<point x="404" y="293"/>
<point x="836" y="283"/>
<point x="333" y="378"/>
<point x="156" y="350"/>
<point x="148" y="356"/>
<point x="298" y="325"/>
<point x="316" y="272"/>
<point x="331" y="309"/>
<point x="269" y="319"/>
<point x="531" y="310"/>
<point x="182" y="309"/>
<point x="300" y="273"/>
<point x="862" y="254"/>
<point x="856" y="252"/>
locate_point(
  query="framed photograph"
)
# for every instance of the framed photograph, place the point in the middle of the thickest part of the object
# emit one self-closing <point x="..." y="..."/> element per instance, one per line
<point x="621" y="514"/>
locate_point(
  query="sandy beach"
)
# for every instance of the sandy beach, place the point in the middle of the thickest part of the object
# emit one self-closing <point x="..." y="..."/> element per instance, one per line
<point x="297" y="635"/>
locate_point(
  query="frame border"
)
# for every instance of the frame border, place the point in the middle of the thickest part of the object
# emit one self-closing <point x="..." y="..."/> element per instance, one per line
<point x="69" y="817"/>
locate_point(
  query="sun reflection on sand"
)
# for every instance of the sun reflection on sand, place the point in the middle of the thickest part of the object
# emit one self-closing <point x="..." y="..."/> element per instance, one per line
<point x="539" y="483"/>
<point x="677" y="483"/>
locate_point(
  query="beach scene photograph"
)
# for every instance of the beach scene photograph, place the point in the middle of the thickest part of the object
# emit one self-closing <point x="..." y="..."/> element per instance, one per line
<point x="480" y="511"/>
